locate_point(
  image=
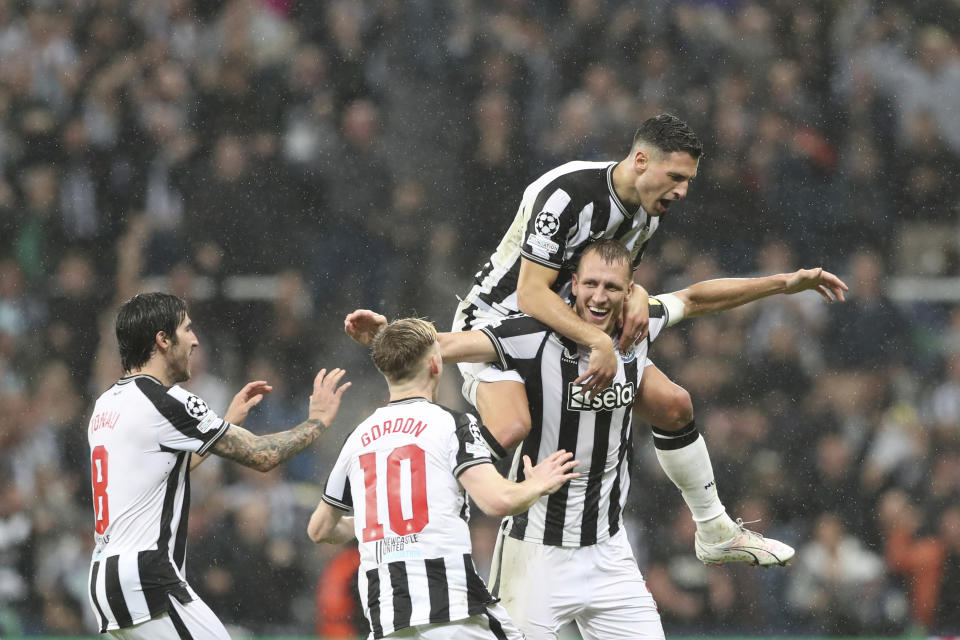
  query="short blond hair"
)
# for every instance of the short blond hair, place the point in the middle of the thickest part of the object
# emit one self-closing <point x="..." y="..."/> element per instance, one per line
<point x="399" y="348"/>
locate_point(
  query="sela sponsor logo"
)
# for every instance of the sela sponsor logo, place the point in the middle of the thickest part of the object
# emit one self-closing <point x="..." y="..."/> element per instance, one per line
<point x="541" y="246"/>
<point x="619" y="395"/>
<point x="105" y="420"/>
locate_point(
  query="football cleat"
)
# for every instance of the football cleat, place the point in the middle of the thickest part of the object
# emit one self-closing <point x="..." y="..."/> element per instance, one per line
<point x="746" y="546"/>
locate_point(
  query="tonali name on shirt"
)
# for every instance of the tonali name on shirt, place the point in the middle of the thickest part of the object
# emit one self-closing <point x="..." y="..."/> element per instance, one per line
<point x="400" y="425"/>
<point x="105" y="420"/>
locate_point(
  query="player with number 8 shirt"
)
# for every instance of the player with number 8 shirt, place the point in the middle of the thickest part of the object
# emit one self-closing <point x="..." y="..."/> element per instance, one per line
<point x="403" y="472"/>
<point x="146" y="433"/>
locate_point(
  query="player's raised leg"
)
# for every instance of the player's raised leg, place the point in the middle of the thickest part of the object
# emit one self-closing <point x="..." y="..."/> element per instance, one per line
<point x="501" y="399"/>
<point x="505" y="412"/>
<point x="683" y="456"/>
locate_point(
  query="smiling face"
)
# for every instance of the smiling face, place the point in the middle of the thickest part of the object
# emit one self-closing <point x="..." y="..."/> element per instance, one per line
<point x="661" y="178"/>
<point x="601" y="288"/>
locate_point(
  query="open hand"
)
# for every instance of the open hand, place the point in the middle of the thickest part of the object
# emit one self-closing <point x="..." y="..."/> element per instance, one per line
<point x="246" y="399"/>
<point x="823" y="282"/>
<point x="325" y="399"/>
<point x="552" y="472"/>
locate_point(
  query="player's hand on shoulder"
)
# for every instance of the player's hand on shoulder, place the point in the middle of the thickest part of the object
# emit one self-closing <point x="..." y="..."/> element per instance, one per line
<point x="552" y="472"/>
<point x="600" y="370"/>
<point x="362" y="325"/>
<point x="634" y="319"/>
<point x="327" y="392"/>
<point x="820" y="280"/>
<point x="247" y="398"/>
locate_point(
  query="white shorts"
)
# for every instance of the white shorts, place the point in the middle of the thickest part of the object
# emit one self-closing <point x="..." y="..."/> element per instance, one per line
<point x="193" y="620"/>
<point x="599" y="586"/>
<point x="495" y="624"/>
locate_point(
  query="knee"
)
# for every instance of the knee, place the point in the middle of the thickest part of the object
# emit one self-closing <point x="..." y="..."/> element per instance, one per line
<point x="677" y="409"/>
<point x="511" y="432"/>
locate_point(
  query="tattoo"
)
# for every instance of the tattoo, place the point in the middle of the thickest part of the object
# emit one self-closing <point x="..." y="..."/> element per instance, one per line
<point x="263" y="453"/>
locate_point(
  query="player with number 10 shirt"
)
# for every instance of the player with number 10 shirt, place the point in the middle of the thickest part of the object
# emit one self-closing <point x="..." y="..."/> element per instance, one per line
<point x="403" y="472"/>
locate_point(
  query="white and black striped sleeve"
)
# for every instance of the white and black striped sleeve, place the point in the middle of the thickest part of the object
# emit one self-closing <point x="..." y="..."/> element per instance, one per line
<point x="336" y="492"/>
<point x="468" y="449"/>
<point x="518" y="341"/>
<point x="189" y="424"/>
<point x="552" y="217"/>
<point x="659" y="319"/>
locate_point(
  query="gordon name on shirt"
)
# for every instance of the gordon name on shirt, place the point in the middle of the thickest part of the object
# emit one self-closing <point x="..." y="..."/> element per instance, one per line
<point x="410" y="425"/>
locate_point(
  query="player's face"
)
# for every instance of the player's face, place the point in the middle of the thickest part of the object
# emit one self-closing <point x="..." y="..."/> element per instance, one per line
<point x="601" y="289"/>
<point x="663" y="179"/>
<point x="179" y="355"/>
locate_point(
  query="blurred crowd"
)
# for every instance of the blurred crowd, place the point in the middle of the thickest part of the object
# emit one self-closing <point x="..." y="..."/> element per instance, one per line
<point x="279" y="163"/>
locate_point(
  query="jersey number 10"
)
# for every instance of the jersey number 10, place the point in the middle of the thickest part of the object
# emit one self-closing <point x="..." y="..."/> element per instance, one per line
<point x="420" y="516"/>
<point x="101" y="505"/>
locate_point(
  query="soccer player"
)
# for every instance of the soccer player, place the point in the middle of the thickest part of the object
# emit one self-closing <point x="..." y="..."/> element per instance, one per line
<point x="146" y="434"/>
<point x="560" y="214"/>
<point x="567" y="557"/>
<point x="403" y="472"/>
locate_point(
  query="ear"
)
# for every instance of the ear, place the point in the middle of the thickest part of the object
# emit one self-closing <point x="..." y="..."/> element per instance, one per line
<point x="436" y="365"/>
<point x="161" y="341"/>
<point x="574" y="282"/>
<point x="640" y="161"/>
<point x="629" y="289"/>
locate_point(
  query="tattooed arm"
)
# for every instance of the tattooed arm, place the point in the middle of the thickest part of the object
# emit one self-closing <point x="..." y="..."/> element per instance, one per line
<point x="246" y="399"/>
<point x="263" y="453"/>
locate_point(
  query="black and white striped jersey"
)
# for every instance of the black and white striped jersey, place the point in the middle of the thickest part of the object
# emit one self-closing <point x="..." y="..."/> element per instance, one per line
<point x="589" y="508"/>
<point x="141" y="435"/>
<point x="398" y="472"/>
<point x="561" y="212"/>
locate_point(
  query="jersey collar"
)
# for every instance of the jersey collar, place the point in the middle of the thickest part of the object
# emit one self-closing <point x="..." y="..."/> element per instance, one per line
<point x="127" y="379"/>
<point x="407" y="400"/>
<point x="616" y="198"/>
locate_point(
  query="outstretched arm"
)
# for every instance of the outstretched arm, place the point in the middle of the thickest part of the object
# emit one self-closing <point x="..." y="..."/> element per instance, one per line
<point x="712" y="296"/>
<point x="246" y="399"/>
<point x="463" y="346"/>
<point x="263" y="453"/>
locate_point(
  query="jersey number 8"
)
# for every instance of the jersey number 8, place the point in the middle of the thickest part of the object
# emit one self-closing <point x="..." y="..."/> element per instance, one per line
<point x="101" y="505"/>
<point x="417" y="487"/>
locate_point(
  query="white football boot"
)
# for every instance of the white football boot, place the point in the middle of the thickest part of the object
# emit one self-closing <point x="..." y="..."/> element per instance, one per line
<point x="746" y="546"/>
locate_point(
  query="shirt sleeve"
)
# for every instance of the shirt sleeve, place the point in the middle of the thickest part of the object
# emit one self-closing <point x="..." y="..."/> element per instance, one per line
<point x="468" y="449"/>
<point x="189" y="424"/>
<point x="336" y="492"/>
<point x="659" y="318"/>
<point x="551" y="219"/>
<point x="517" y="340"/>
